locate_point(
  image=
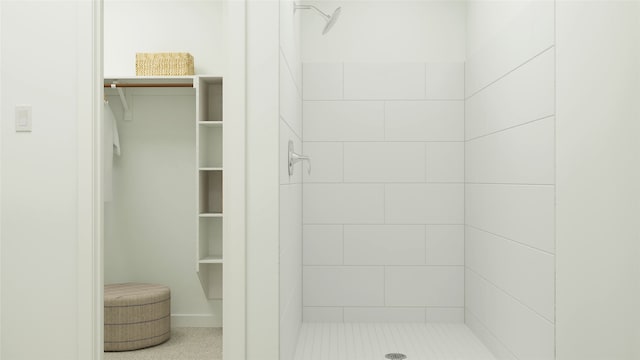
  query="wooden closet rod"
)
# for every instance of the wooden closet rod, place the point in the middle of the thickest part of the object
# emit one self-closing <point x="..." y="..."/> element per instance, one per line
<point x="147" y="85"/>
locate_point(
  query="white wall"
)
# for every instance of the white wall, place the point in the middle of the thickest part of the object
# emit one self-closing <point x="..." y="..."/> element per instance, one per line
<point x="290" y="186"/>
<point x="234" y="160"/>
<point x="191" y="26"/>
<point x="263" y="161"/>
<point x="386" y="31"/>
<point x="510" y="177"/>
<point x="40" y="195"/>
<point x="598" y="180"/>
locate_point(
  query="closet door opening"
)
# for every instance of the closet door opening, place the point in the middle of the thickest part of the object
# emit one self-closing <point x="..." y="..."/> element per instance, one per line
<point x="164" y="219"/>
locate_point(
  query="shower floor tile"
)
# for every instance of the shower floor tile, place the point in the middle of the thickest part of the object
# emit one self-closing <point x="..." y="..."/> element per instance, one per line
<point x="364" y="341"/>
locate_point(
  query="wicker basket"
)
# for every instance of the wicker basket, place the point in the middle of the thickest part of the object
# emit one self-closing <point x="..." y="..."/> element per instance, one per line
<point x="163" y="64"/>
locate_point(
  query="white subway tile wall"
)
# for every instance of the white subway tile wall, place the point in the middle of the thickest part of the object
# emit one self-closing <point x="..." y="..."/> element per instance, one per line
<point x="424" y="203"/>
<point x="520" y="155"/>
<point x="343" y="285"/>
<point x="387" y="162"/>
<point x="323" y="245"/>
<point x="343" y="120"/>
<point x="445" y="81"/>
<point x="384" y="244"/>
<point x="384" y="81"/>
<point x="384" y="315"/>
<point x="439" y="286"/>
<point x="512" y="42"/>
<point x="323" y="81"/>
<point x="510" y="176"/>
<point x="343" y="204"/>
<point x="445" y="245"/>
<point x="328" y="162"/>
<point x="432" y="120"/>
<point x="445" y="315"/>
<point x="445" y="162"/>
<point x="384" y="204"/>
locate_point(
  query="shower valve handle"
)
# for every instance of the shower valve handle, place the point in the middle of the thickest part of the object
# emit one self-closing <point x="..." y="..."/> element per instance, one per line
<point x="295" y="158"/>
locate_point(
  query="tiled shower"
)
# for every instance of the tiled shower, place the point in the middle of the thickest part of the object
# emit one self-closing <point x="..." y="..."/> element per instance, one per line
<point x="431" y="194"/>
<point x="383" y="209"/>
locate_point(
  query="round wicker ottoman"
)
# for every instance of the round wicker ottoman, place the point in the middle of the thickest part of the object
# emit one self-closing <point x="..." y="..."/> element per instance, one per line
<point x="136" y="316"/>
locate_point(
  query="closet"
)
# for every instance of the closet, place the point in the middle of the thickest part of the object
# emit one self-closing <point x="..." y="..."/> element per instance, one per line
<point x="165" y="222"/>
<point x="168" y="187"/>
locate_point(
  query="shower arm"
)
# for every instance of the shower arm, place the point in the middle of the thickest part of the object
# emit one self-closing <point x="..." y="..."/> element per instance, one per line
<point x="296" y="7"/>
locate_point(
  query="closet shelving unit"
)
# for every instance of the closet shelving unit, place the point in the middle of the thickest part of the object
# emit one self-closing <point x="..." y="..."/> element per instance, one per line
<point x="209" y="146"/>
<point x="209" y="168"/>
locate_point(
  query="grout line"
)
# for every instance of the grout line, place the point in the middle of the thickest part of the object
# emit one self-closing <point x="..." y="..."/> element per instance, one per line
<point x="300" y="101"/>
<point x="384" y="265"/>
<point x="464" y="193"/>
<point x="291" y="128"/>
<point x="383" y="99"/>
<point x="343" y="166"/>
<point x="384" y="286"/>
<point x="381" y="224"/>
<point x="507" y="184"/>
<point x="386" y="141"/>
<point x="384" y="121"/>
<point x="379" y="307"/>
<point x="426" y="162"/>
<point x="343" y="246"/>
<point x="291" y="184"/>
<point x="426" y="245"/>
<point x="293" y="78"/>
<point x="555" y="175"/>
<point x="510" y="72"/>
<point x="512" y="127"/>
<point x="279" y="194"/>
<point x="391" y="183"/>
<point x="426" y="70"/>
<point x="509" y="295"/>
<point x="342" y="99"/>
<point x="384" y="204"/>
<point x="423" y="183"/>
<point x="515" y="241"/>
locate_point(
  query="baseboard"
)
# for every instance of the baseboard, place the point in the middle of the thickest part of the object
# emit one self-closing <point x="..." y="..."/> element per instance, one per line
<point x="195" y="320"/>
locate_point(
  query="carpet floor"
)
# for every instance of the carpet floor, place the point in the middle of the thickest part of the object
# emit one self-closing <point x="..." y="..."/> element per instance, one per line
<point x="185" y="344"/>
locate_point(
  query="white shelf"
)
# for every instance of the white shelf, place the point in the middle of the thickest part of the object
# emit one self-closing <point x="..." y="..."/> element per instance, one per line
<point x="211" y="260"/>
<point x="210" y="169"/>
<point x="211" y="215"/>
<point x="210" y="123"/>
<point x="186" y="79"/>
<point x="209" y="132"/>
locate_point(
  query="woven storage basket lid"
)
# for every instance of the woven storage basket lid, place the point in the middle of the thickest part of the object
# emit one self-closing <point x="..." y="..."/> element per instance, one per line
<point x="135" y="294"/>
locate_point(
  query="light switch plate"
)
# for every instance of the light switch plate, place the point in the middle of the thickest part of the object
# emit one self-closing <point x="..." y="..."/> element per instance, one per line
<point x="23" y="118"/>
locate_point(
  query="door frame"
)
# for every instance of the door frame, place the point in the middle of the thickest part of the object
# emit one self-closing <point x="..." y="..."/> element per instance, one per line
<point x="90" y="271"/>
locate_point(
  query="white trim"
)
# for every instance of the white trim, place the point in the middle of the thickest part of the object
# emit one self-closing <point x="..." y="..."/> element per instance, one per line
<point x="196" y="320"/>
<point x="89" y="183"/>
<point x="1" y="149"/>
<point x="234" y="341"/>
<point x="263" y="179"/>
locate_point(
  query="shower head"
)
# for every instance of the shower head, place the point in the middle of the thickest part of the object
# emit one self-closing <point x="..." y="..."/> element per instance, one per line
<point x="329" y="19"/>
<point x="332" y="20"/>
